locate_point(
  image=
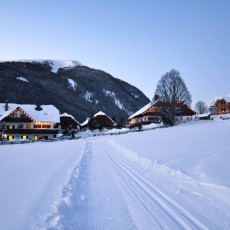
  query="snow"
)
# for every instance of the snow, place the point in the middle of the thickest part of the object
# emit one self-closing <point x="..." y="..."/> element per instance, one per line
<point x="116" y="100"/>
<point x="203" y="115"/>
<point x="54" y="64"/>
<point x="22" y="79"/>
<point x="167" y="178"/>
<point x="88" y="96"/>
<point x="72" y="83"/>
<point x="227" y="99"/>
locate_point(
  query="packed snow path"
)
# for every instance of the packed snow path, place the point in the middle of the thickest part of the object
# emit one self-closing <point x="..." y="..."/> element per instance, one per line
<point x="113" y="188"/>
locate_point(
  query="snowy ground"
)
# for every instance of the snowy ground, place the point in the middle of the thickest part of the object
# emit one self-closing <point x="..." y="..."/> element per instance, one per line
<point x="170" y="178"/>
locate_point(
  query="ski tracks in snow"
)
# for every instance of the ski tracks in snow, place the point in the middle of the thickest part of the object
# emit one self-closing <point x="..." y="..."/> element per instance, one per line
<point x="105" y="191"/>
<point x="169" y="209"/>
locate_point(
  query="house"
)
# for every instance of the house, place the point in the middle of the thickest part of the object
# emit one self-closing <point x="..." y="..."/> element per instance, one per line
<point x="68" y="122"/>
<point x="204" y="116"/>
<point x="151" y="113"/>
<point x="221" y="106"/>
<point x="98" y="121"/>
<point x="28" y="121"/>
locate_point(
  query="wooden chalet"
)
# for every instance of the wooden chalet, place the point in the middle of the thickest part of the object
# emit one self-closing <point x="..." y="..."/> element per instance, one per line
<point x="98" y="121"/>
<point x="151" y="113"/>
<point x="221" y="106"/>
<point x="28" y="121"/>
<point x="68" y="122"/>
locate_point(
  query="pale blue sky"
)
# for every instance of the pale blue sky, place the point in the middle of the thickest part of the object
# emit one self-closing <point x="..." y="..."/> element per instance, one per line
<point x="136" y="41"/>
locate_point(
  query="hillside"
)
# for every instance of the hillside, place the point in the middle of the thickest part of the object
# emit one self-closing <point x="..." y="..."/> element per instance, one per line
<point x="70" y="86"/>
<point x="168" y="178"/>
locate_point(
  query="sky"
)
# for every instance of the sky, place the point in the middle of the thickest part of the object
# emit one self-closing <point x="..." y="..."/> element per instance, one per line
<point x="137" y="41"/>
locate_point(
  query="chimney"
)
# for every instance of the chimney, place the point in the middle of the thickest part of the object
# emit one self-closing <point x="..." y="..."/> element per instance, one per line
<point x="6" y="105"/>
<point x="38" y="108"/>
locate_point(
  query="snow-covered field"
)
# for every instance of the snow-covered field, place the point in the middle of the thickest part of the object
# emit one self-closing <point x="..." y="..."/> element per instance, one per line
<point x="169" y="178"/>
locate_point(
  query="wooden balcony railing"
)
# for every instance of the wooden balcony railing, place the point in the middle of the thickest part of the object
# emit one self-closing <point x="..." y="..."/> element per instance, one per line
<point x="17" y="119"/>
<point x="32" y="131"/>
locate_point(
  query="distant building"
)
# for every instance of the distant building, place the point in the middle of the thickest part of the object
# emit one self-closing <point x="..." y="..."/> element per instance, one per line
<point x="68" y="122"/>
<point x="28" y="121"/>
<point x="221" y="106"/>
<point x="204" y="116"/>
<point x="151" y="113"/>
<point x="98" y="121"/>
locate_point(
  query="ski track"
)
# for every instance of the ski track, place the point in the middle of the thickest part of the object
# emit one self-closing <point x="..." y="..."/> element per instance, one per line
<point x="104" y="192"/>
<point x="180" y="216"/>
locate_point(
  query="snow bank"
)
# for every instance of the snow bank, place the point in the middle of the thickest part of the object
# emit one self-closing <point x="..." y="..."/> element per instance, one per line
<point x="199" y="149"/>
<point x="30" y="176"/>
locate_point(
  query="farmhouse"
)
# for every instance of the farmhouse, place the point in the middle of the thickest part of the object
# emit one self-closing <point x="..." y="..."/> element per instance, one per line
<point x="221" y="106"/>
<point x="151" y="113"/>
<point x="28" y="121"/>
<point x="98" y="121"/>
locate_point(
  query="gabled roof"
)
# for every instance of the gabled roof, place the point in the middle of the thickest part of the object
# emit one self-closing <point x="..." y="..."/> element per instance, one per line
<point x="103" y="114"/>
<point x="95" y="115"/>
<point x="203" y="115"/>
<point x="85" y="122"/>
<point x="227" y="99"/>
<point x="157" y="103"/>
<point x="68" y="115"/>
<point x="49" y="113"/>
<point x="143" y="109"/>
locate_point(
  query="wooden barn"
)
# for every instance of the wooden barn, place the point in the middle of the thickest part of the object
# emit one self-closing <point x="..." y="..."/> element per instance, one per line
<point x="99" y="121"/>
<point x="68" y="122"/>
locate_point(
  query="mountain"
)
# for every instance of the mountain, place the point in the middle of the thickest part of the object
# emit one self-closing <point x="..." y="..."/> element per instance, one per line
<point x="70" y="86"/>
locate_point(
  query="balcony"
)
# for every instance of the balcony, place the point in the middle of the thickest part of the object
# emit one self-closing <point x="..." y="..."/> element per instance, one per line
<point x="32" y="131"/>
<point x="17" y="119"/>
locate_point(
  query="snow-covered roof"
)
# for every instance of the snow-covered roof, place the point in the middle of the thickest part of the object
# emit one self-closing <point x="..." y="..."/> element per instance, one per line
<point x="95" y="115"/>
<point x="68" y="115"/>
<point x="227" y="99"/>
<point x="203" y="115"/>
<point x="85" y="122"/>
<point x="103" y="114"/>
<point x="99" y="114"/>
<point x="49" y="113"/>
<point x="143" y="109"/>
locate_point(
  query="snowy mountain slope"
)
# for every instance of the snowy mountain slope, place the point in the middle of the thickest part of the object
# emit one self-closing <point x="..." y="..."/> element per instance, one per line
<point x="55" y="65"/>
<point x="119" y="182"/>
<point x="71" y="87"/>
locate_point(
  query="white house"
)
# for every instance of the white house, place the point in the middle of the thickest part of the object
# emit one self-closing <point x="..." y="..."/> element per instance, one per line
<point x="28" y="121"/>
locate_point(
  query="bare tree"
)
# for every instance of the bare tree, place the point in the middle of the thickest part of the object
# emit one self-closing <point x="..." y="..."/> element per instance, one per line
<point x="172" y="89"/>
<point x="201" y="107"/>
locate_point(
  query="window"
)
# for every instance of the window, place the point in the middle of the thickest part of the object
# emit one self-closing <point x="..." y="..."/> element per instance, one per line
<point x="37" y="126"/>
<point x="28" y="126"/>
<point x="36" y="138"/>
<point x="10" y="127"/>
<point x="21" y="126"/>
<point x="153" y="119"/>
<point x="10" y="137"/>
<point x="24" y="137"/>
<point x="46" y="126"/>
